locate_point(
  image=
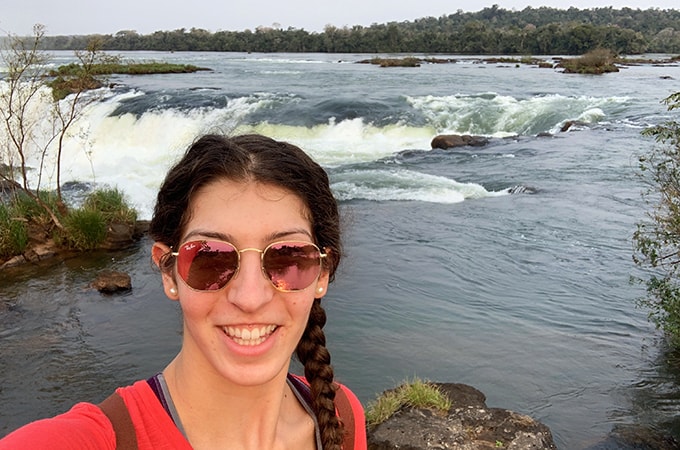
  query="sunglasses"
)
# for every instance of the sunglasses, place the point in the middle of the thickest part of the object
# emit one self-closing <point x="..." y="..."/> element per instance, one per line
<point x="290" y="266"/>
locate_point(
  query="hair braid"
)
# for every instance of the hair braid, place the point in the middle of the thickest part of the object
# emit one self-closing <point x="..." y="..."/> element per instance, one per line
<point x="312" y="353"/>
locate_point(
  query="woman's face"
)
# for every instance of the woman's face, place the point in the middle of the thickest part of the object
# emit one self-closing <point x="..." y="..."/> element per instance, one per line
<point x="247" y="331"/>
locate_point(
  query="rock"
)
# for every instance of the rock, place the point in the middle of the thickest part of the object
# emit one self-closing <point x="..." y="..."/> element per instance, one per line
<point x="445" y="141"/>
<point x="119" y="235"/>
<point x="571" y="123"/>
<point x="468" y="425"/>
<point x="33" y="254"/>
<point x="521" y="189"/>
<point x="110" y="281"/>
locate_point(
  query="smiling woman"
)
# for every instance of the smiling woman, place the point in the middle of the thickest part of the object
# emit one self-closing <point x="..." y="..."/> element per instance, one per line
<point x="247" y="239"/>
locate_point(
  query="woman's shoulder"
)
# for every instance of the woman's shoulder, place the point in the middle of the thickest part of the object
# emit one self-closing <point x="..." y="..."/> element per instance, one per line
<point x="84" y="426"/>
<point x="153" y="425"/>
<point x="350" y="411"/>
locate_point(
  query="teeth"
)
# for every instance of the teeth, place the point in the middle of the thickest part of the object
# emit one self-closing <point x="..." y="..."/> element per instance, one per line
<point x="247" y="336"/>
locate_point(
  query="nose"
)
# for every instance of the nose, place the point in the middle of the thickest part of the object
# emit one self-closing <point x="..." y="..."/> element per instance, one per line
<point x="249" y="290"/>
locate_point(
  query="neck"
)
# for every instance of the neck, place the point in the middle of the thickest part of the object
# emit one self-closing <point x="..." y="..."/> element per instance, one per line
<point x="217" y="413"/>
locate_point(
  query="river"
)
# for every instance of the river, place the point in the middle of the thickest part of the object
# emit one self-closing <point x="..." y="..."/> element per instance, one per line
<point x="448" y="276"/>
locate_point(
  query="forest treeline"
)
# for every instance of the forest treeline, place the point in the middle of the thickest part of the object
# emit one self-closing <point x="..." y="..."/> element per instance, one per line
<point x="493" y="30"/>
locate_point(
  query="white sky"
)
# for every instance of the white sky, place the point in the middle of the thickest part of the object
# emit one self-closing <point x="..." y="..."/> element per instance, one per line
<point x="64" y="17"/>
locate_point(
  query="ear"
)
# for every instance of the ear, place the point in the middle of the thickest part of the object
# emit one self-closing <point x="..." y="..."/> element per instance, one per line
<point x="321" y="285"/>
<point x="169" y="285"/>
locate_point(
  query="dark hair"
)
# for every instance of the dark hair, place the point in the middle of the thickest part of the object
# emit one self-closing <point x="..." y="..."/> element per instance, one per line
<point x="261" y="159"/>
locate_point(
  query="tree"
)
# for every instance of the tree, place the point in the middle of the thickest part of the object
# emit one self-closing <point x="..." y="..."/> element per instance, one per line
<point x="34" y="122"/>
<point x="657" y="240"/>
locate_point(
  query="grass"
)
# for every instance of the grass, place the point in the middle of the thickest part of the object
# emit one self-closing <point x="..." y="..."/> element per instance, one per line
<point x="13" y="232"/>
<point x="415" y="394"/>
<point x="111" y="203"/>
<point x="84" y="228"/>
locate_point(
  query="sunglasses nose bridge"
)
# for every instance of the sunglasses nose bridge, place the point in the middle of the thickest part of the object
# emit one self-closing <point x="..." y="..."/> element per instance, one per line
<point x="253" y="249"/>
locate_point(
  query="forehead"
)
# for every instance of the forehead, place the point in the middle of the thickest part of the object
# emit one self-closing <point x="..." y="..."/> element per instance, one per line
<point x="246" y="207"/>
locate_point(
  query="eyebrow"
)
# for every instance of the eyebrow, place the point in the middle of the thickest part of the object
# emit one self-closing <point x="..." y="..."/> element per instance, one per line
<point x="227" y="237"/>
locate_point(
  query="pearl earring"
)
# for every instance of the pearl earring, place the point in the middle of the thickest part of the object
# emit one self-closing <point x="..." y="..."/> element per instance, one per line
<point x="173" y="291"/>
<point x="320" y="290"/>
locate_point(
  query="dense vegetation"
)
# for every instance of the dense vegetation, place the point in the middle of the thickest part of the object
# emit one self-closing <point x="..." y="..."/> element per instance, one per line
<point x="493" y="30"/>
<point x="657" y="240"/>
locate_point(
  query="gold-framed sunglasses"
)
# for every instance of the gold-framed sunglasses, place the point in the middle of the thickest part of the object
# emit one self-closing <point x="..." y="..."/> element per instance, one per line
<point x="209" y="265"/>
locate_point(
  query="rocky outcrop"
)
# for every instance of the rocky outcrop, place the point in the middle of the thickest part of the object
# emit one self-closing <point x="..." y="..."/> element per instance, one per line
<point x="572" y="123"/>
<point x="468" y="425"/>
<point x="445" y="141"/>
<point x="35" y="253"/>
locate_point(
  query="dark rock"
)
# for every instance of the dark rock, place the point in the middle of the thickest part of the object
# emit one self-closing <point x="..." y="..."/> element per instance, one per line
<point x="141" y="228"/>
<point x="119" y="235"/>
<point x="458" y="140"/>
<point x="468" y="425"/>
<point x="522" y="189"/>
<point x="37" y="252"/>
<point x="571" y="123"/>
<point x="110" y="281"/>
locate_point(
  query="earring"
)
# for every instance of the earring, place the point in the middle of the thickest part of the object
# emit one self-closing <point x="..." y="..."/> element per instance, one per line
<point x="173" y="291"/>
<point x="320" y="290"/>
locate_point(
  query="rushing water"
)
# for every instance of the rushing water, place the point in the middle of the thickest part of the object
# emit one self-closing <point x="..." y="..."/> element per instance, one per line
<point x="447" y="277"/>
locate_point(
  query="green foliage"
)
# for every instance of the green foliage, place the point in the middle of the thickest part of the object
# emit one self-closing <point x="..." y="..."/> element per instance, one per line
<point x="492" y="30"/>
<point x="13" y="232"/>
<point x="595" y="62"/>
<point x="33" y="210"/>
<point x="657" y="241"/>
<point x="84" y="229"/>
<point x="112" y="205"/>
<point x="109" y="68"/>
<point x="63" y="87"/>
<point x="73" y="78"/>
<point x="416" y="394"/>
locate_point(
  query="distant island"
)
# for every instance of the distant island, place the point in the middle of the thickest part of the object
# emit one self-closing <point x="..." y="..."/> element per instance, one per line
<point x="491" y="31"/>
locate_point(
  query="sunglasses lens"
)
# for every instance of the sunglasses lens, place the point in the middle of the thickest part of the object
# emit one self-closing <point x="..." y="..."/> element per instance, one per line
<point x="207" y="265"/>
<point x="292" y="266"/>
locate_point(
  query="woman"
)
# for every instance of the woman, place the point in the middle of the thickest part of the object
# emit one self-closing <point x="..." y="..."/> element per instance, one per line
<point x="247" y="239"/>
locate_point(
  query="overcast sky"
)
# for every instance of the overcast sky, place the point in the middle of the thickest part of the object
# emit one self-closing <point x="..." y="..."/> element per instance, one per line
<point x="64" y="17"/>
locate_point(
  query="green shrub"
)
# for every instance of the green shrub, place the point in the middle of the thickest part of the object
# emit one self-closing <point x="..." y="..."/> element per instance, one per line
<point x="84" y="229"/>
<point x="657" y="240"/>
<point x="416" y="394"/>
<point x="595" y="62"/>
<point x="13" y="232"/>
<point x="28" y="208"/>
<point x="112" y="204"/>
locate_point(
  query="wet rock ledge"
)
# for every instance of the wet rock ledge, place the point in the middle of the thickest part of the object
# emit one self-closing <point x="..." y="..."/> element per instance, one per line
<point x="468" y="425"/>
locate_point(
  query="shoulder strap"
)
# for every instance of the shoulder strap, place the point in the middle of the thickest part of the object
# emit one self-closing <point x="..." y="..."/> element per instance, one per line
<point x="347" y="416"/>
<point x="115" y="409"/>
<point x="342" y="404"/>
